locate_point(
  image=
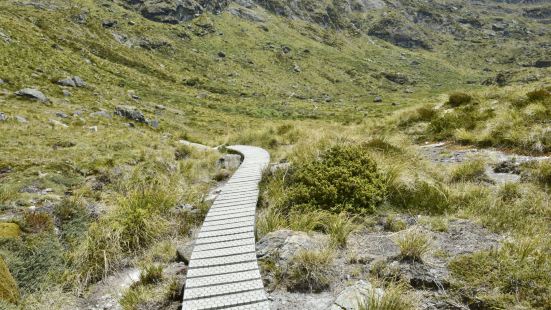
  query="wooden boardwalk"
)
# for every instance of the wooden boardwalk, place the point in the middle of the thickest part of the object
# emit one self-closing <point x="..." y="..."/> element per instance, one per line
<point x="223" y="272"/>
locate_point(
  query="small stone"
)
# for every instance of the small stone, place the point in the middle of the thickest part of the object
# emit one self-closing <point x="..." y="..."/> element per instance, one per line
<point x="21" y="119"/>
<point x="101" y="113"/>
<point x="154" y="123"/>
<point x="1" y="82"/>
<point x="66" y="93"/>
<point x="6" y="38"/>
<point x="74" y="81"/>
<point x="297" y="68"/>
<point x="230" y="161"/>
<point x="67" y="82"/>
<point x="221" y="54"/>
<point x="135" y="97"/>
<point x="160" y="107"/>
<point x="58" y="123"/>
<point x="3" y="117"/>
<point x="78" y="81"/>
<point x="109" y="23"/>
<point x="61" y="115"/>
<point x="378" y="99"/>
<point x="93" y="128"/>
<point x="183" y="253"/>
<point x="286" y="49"/>
<point x="33" y="94"/>
<point x="131" y="113"/>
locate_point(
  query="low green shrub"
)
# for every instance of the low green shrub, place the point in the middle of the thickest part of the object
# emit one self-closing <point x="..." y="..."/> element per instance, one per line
<point x="459" y="99"/>
<point x="34" y="261"/>
<point x="343" y="178"/>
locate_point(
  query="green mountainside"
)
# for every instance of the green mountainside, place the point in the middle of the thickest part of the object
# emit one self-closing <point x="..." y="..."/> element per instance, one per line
<point x="95" y="96"/>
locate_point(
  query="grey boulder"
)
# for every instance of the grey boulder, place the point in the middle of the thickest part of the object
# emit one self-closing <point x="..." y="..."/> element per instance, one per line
<point x="31" y="93"/>
<point x="21" y="119"/>
<point x="74" y="81"/>
<point x="230" y="161"/>
<point x="131" y="113"/>
<point x="3" y="117"/>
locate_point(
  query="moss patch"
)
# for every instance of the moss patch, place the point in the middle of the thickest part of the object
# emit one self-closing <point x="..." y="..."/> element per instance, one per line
<point x="8" y="288"/>
<point x="9" y="230"/>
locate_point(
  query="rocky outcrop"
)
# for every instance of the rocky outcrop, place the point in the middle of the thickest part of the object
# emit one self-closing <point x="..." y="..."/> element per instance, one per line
<point x="399" y="33"/>
<point x="175" y="11"/>
<point x="131" y="113"/>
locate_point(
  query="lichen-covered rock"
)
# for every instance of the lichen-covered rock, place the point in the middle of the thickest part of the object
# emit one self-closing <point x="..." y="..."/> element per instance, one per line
<point x="282" y="245"/>
<point x="352" y="297"/>
<point x="400" y="33"/>
<point x="230" y="161"/>
<point x="74" y="81"/>
<point x="33" y="94"/>
<point x="131" y="113"/>
<point x="8" y="287"/>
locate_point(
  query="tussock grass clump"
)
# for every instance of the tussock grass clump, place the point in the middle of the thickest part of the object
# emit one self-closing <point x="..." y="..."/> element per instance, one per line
<point x="151" y="274"/>
<point x="268" y="220"/>
<point x="423" y="196"/>
<point x="394" y="298"/>
<point x="515" y="275"/>
<point x="539" y="94"/>
<point x="394" y="223"/>
<point x="539" y="172"/>
<point x="413" y="245"/>
<point x="310" y="270"/>
<point x="423" y="113"/>
<point x="459" y="99"/>
<point x="139" y="218"/>
<point x="339" y="228"/>
<point x="470" y="171"/>
<point x="37" y="222"/>
<point x="343" y="178"/>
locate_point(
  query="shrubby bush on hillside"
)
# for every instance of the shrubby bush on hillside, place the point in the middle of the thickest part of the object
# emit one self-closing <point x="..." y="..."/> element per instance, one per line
<point x="459" y="99"/>
<point x="343" y="178"/>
